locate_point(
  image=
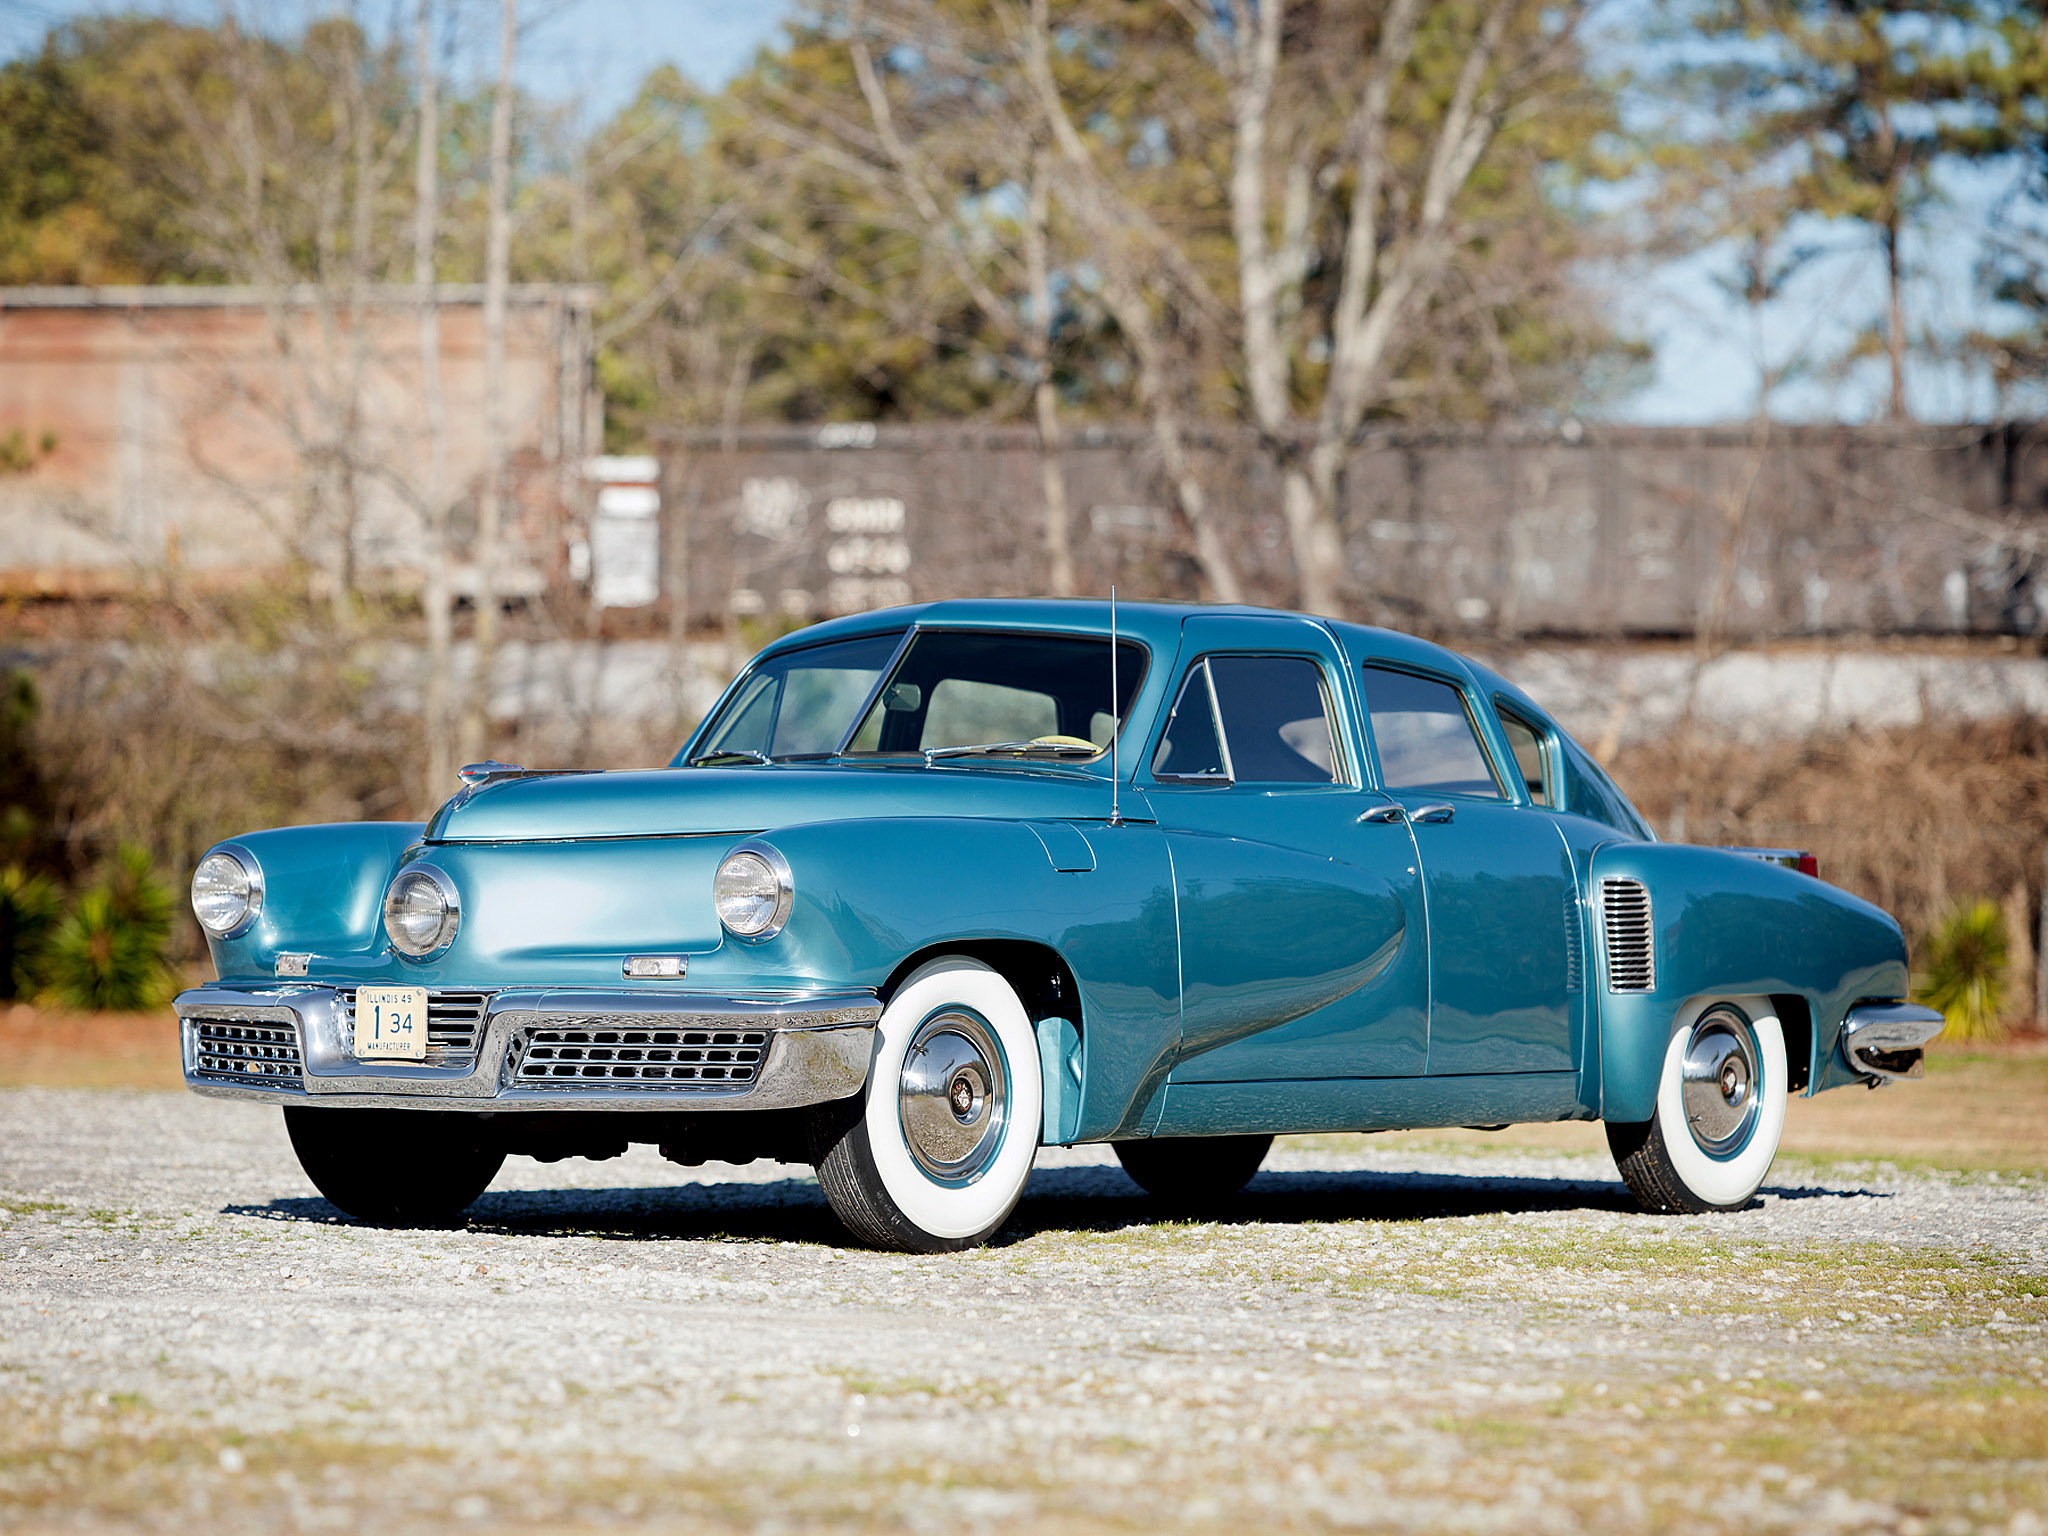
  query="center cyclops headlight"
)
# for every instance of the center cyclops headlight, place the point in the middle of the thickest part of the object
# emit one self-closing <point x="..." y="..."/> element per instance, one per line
<point x="753" y="891"/>
<point x="421" y="911"/>
<point x="227" y="892"/>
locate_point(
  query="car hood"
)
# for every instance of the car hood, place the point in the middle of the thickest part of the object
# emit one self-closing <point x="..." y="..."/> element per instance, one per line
<point x="682" y="801"/>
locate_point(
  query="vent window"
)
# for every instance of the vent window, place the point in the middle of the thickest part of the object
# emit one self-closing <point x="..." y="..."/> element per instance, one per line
<point x="1627" y="927"/>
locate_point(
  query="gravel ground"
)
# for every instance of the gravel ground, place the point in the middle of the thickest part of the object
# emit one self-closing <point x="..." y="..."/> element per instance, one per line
<point x="190" y="1338"/>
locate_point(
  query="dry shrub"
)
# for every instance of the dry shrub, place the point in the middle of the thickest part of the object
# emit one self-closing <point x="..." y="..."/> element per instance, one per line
<point x="1915" y="819"/>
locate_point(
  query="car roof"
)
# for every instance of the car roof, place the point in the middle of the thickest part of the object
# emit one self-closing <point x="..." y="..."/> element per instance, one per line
<point x="1155" y="624"/>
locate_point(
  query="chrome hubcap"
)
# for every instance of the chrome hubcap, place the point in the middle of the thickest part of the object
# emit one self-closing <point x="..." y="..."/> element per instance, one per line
<point x="1720" y="1082"/>
<point x="952" y="1097"/>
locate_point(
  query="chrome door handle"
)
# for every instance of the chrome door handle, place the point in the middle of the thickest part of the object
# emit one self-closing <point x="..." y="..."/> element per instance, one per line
<point x="1433" y="812"/>
<point x="1383" y="813"/>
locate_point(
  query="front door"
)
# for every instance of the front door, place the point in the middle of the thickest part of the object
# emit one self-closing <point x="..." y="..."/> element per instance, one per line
<point x="1303" y="940"/>
<point x="1503" y="901"/>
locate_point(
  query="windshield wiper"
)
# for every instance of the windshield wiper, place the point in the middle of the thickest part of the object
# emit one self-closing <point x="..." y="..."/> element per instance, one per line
<point x="1013" y="749"/>
<point x="729" y="755"/>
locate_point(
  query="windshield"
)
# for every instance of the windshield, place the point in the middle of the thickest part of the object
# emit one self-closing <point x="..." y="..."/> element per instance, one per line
<point x="799" y="703"/>
<point x="962" y="688"/>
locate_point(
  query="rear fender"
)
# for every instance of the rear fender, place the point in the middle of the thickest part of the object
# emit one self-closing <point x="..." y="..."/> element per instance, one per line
<point x="1725" y="925"/>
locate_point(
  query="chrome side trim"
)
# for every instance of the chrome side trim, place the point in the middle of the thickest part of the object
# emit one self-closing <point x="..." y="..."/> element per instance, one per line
<point x="817" y="1049"/>
<point x="1886" y="1042"/>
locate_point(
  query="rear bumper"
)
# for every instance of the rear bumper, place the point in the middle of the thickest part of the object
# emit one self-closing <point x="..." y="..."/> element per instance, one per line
<point x="1887" y="1041"/>
<point x="536" y="1049"/>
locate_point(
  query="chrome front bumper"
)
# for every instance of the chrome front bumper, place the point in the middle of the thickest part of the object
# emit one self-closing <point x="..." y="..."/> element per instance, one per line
<point x="559" y="1048"/>
<point x="1887" y="1041"/>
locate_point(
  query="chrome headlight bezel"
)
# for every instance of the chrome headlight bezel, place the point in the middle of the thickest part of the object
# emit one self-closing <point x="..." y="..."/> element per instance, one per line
<point x="785" y="890"/>
<point x="252" y="878"/>
<point x="451" y="910"/>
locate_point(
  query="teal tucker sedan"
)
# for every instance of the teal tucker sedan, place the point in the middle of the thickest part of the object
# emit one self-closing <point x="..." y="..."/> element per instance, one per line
<point x="934" y="887"/>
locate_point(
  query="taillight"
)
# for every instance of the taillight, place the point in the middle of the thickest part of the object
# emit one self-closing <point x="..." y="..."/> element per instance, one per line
<point x="1807" y="864"/>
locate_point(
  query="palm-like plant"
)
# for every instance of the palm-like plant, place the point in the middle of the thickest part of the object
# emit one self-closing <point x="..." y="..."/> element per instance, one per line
<point x="108" y="952"/>
<point x="1964" y="972"/>
<point x="28" y="907"/>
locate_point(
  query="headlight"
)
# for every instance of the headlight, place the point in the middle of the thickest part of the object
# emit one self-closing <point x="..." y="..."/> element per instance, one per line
<point x="227" y="893"/>
<point x="752" y="891"/>
<point x="421" y="911"/>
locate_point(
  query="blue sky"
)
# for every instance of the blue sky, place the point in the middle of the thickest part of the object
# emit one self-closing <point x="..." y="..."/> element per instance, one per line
<point x="1707" y="347"/>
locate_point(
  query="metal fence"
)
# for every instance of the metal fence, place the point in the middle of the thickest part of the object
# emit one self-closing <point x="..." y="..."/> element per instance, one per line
<point x="1601" y="532"/>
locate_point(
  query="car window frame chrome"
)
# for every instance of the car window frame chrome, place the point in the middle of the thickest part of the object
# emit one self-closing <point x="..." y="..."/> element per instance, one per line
<point x="1343" y="774"/>
<point x="680" y="758"/>
<point x="909" y="635"/>
<point x="1546" y="743"/>
<point x="1508" y="786"/>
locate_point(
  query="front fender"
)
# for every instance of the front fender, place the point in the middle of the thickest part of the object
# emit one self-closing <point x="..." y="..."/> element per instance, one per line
<point x="1727" y="925"/>
<point x="323" y="890"/>
<point x="871" y="893"/>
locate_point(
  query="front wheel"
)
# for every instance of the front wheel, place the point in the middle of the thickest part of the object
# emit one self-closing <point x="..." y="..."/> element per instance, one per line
<point x="393" y="1167"/>
<point x="933" y="1158"/>
<point x="1721" y="1100"/>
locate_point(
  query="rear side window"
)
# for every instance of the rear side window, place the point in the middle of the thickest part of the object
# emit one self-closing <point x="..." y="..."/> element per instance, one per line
<point x="1425" y="737"/>
<point x="1250" y="720"/>
<point x="1590" y="793"/>
<point x="1532" y="762"/>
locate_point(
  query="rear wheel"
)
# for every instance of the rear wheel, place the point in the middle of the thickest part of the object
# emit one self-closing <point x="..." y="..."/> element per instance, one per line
<point x="393" y="1167"/>
<point x="1193" y="1170"/>
<point x="933" y="1157"/>
<point x="1720" y="1110"/>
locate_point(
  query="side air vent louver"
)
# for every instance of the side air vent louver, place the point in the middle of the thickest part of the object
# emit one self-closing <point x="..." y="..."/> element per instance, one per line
<point x="1574" y="961"/>
<point x="1630" y="936"/>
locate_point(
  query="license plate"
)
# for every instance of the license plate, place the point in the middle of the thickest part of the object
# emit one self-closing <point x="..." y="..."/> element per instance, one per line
<point x="391" y="1024"/>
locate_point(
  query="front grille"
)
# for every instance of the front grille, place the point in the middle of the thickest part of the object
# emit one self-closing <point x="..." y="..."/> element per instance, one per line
<point x="563" y="1056"/>
<point x="237" y="1052"/>
<point x="455" y="1022"/>
<point x="1630" y="935"/>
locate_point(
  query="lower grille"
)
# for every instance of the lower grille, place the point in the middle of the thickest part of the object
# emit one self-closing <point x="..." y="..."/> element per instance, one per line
<point x="455" y="1022"/>
<point x="235" y="1051"/>
<point x="564" y="1056"/>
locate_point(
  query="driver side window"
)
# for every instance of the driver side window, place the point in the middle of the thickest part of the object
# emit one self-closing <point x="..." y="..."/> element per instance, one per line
<point x="1249" y="720"/>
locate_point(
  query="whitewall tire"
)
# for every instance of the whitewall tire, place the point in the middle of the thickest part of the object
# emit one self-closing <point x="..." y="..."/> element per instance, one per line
<point x="1721" y="1097"/>
<point x="934" y="1156"/>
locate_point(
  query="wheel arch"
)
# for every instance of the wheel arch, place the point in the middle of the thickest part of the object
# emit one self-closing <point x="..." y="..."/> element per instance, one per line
<point x="1045" y="984"/>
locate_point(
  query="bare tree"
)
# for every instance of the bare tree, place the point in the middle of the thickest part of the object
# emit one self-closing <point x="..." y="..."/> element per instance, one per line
<point x="432" y="501"/>
<point x="1373" y="195"/>
<point x="919" y="163"/>
<point x="1134" y="256"/>
<point x="490" y="499"/>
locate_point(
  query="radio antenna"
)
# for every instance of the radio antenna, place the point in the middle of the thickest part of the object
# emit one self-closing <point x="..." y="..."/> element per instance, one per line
<point x="1116" y="723"/>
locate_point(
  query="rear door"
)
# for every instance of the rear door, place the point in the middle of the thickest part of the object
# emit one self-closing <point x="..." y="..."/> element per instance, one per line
<point x="1503" y="900"/>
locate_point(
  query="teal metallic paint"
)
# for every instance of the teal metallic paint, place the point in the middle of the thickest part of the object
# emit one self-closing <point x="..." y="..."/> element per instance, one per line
<point x="1296" y="938"/>
<point x="1303" y="947"/>
<point x="1369" y="1104"/>
<point x="323" y="893"/>
<point x="1727" y="925"/>
<point x="1502" y="902"/>
<point x="673" y="802"/>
